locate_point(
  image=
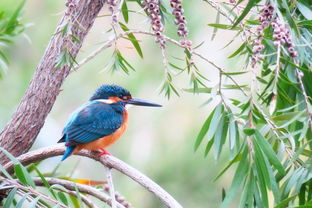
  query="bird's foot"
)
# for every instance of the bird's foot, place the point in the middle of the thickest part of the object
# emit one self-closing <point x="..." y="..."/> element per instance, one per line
<point x="104" y="152"/>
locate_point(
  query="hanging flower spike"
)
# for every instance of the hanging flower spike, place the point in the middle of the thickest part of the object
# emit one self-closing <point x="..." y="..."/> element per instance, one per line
<point x="152" y="8"/>
<point x="112" y="9"/>
<point x="281" y="36"/>
<point x="265" y="18"/>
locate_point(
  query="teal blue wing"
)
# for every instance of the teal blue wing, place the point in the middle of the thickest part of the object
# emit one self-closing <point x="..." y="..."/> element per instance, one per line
<point x="95" y="120"/>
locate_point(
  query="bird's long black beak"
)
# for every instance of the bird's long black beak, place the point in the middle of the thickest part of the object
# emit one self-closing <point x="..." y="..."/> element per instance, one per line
<point x="136" y="101"/>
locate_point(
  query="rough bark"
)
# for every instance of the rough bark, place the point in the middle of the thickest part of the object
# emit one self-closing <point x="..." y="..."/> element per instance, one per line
<point x="21" y="131"/>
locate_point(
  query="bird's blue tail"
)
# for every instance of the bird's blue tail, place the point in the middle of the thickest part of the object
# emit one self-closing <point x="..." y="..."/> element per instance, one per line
<point x="68" y="151"/>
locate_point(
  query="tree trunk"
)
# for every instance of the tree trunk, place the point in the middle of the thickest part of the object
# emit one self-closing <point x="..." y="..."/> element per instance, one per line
<point x="21" y="131"/>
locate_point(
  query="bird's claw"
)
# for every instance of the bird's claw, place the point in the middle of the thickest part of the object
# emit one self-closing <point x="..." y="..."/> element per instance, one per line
<point x="104" y="152"/>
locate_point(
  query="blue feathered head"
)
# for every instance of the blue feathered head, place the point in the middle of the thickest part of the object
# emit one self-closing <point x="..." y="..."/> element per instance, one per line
<point x="106" y="91"/>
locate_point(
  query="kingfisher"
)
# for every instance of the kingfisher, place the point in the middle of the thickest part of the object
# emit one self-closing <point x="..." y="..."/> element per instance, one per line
<point x="101" y="121"/>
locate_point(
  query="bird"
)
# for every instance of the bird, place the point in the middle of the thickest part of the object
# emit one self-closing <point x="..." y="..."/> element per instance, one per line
<point x="101" y="121"/>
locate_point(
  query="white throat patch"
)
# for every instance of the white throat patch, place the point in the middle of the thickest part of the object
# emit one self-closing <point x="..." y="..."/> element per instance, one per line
<point x="106" y="101"/>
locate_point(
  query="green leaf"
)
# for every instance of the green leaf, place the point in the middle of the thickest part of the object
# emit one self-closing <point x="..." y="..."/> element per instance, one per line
<point x="268" y="151"/>
<point x="236" y="159"/>
<point x="232" y="133"/>
<point x="34" y="202"/>
<point x="240" y="175"/>
<point x="21" y="202"/>
<point x="124" y="11"/>
<point x="249" y="6"/>
<point x="199" y="90"/>
<point x="13" y="20"/>
<point x="234" y="73"/>
<point x="216" y="118"/>
<point x="262" y="173"/>
<point x="286" y="116"/>
<point x="10" y="156"/>
<point x="215" y="30"/>
<point x="220" y="135"/>
<point x="285" y="202"/>
<point x="133" y="40"/>
<point x="305" y="10"/>
<point x="9" y="199"/>
<point x="23" y="175"/>
<point x="62" y="197"/>
<point x="78" y="194"/>
<point x="203" y="131"/>
<point x="45" y="182"/>
<point x="2" y="170"/>
<point x="208" y="147"/>
<point x="238" y="51"/>
<point x="225" y="27"/>
<point x="284" y="6"/>
<point x="249" y="131"/>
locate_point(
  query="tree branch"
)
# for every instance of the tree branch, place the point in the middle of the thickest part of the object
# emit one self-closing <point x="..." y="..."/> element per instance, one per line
<point x="19" y="134"/>
<point x="106" y="160"/>
<point x="81" y="187"/>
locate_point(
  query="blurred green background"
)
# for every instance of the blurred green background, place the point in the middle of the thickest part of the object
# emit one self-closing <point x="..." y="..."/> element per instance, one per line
<point x="159" y="142"/>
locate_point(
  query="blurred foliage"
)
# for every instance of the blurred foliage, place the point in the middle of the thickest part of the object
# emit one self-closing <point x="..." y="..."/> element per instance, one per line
<point x="259" y="114"/>
<point x="10" y="26"/>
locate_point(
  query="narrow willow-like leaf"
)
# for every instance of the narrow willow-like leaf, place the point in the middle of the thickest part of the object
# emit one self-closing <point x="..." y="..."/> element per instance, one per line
<point x="2" y="170"/>
<point x="203" y="130"/>
<point x="216" y="118"/>
<point x="208" y="146"/>
<point x="21" y="202"/>
<point x="285" y="202"/>
<point x="9" y="199"/>
<point x="240" y="175"/>
<point x="215" y="30"/>
<point x="23" y="175"/>
<point x="262" y="174"/>
<point x="33" y="203"/>
<point x="232" y="132"/>
<point x="124" y="11"/>
<point x="198" y="90"/>
<point x="249" y="131"/>
<point x="45" y="183"/>
<point x="236" y="159"/>
<point x="133" y="39"/>
<point x="305" y="10"/>
<point x="249" y="6"/>
<point x="268" y="151"/>
<point x="78" y="195"/>
<point x="225" y="27"/>
<point x="221" y="134"/>
<point x="13" y="19"/>
<point x="10" y="156"/>
<point x="242" y="47"/>
<point x="283" y="4"/>
<point x="62" y="197"/>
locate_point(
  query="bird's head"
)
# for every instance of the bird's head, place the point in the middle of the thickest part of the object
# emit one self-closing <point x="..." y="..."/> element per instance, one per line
<point x="113" y="93"/>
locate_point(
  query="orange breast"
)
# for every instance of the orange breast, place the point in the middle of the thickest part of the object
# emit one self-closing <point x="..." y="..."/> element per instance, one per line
<point x="107" y="140"/>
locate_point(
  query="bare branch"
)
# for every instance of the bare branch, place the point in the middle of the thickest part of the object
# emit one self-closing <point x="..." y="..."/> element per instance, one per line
<point x="32" y="191"/>
<point x="111" y="186"/>
<point x="106" y="160"/>
<point x="82" y="188"/>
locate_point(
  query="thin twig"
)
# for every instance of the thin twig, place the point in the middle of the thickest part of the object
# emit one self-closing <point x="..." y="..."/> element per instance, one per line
<point x="85" y="199"/>
<point x="110" y="42"/>
<point x="111" y="186"/>
<point x="34" y="192"/>
<point x="70" y="185"/>
<point x="110" y="161"/>
<point x="299" y="75"/>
